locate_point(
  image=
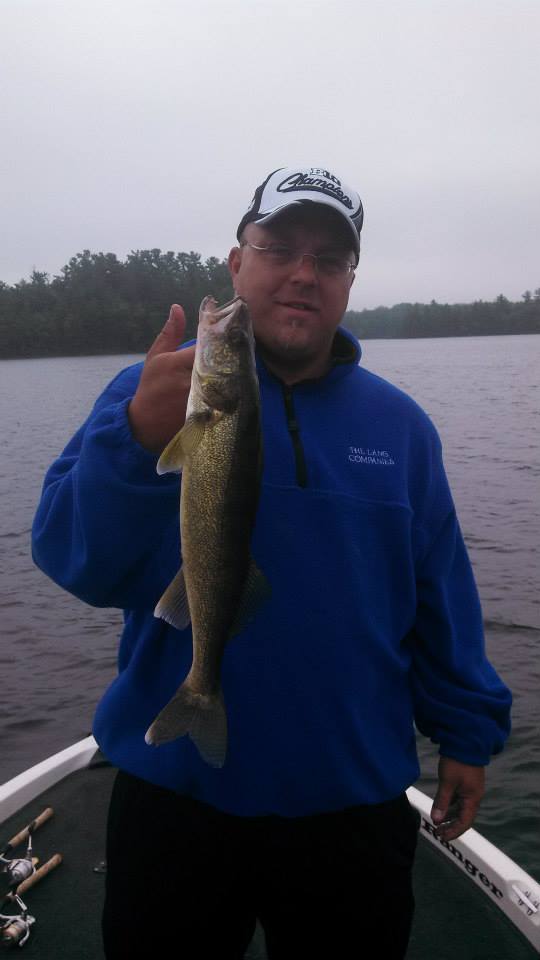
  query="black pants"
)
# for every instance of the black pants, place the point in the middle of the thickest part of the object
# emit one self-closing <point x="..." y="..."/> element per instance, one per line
<point x="187" y="881"/>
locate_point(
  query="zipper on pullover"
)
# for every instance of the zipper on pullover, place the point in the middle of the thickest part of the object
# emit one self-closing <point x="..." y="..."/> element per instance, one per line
<point x="294" y="430"/>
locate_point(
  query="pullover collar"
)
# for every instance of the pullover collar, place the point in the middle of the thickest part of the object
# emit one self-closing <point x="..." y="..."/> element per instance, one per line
<point x="345" y="357"/>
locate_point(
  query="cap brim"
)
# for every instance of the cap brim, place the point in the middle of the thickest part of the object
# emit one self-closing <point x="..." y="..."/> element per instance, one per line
<point x="275" y="213"/>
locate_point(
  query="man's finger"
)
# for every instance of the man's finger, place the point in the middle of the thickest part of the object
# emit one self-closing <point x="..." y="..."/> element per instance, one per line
<point x="462" y="784"/>
<point x="442" y="801"/>
<point x="170" y="337"/>
<point x="460" y="822"/>
<point x="468" y="810"/>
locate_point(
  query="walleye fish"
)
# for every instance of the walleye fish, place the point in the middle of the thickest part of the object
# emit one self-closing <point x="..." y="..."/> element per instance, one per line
<point x="218" y="586"/>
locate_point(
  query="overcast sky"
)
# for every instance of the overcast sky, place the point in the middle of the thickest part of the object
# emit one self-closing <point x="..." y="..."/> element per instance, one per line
<point x="129" y="124"/>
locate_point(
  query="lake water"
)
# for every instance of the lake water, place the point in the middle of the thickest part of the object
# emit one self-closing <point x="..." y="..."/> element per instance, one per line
<point x="57" y="655"/>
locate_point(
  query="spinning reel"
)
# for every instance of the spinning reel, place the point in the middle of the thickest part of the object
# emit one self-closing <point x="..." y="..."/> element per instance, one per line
<point x="21" y="874"/>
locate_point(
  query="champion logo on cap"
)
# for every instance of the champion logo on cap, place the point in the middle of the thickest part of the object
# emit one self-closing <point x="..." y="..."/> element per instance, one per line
<point x="289" y="186"/>
<point x="318" y="180"/>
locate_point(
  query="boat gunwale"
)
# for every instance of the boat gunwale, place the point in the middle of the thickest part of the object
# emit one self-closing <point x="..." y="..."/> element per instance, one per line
<point x="491" y="870"/>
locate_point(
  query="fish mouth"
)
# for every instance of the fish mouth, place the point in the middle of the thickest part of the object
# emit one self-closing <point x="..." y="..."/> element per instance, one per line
<point x="216" y="312"/>
<point x="224" y="337"/>
<point x="229" y="303"/>
<point x="218" y="317"/>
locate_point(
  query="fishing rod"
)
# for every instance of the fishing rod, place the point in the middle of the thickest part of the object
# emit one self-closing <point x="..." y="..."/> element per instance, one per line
<point x="21" y="875"/>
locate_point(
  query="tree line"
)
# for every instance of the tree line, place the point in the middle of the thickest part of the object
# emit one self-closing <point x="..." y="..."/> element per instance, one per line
<point x="481" y="318"/>
<point x="102" y="305"/>
<point x="99" y="304"/>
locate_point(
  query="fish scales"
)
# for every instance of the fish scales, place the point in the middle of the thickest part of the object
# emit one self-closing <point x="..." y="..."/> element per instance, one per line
<point x="218" y="587"/>
<point x="218" y="505"/>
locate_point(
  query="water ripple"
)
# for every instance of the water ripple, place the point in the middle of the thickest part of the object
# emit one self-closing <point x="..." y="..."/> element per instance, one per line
<point x="58" y="655"/>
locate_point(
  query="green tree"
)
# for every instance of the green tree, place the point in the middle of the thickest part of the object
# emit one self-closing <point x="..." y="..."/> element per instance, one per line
<point x="100" y="304"/>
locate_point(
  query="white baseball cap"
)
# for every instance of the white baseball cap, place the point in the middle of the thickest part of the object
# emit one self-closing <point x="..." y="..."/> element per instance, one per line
<point x="290" y="185"/>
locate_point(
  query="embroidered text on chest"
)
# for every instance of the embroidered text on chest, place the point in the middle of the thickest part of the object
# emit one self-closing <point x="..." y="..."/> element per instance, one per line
<point x="371" y="455"/>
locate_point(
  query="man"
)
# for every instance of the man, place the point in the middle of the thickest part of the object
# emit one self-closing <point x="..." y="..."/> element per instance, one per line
<point x="373" y="623"/>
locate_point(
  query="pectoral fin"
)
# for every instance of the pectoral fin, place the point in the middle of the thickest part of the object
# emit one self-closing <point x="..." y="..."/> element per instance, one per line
<point x="182" y="445"/>
<point x="174" y="606"/>
<point x="256" y="592"/>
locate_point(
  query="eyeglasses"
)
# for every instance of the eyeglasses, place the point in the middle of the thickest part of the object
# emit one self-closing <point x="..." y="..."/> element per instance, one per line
<point x="280" y="255"/>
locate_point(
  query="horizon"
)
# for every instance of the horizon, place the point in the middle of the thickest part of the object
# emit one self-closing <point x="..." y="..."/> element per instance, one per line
<point x="534" y="292"/>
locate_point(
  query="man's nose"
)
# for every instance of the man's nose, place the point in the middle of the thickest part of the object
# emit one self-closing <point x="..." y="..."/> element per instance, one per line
<point x="305" y="270"/>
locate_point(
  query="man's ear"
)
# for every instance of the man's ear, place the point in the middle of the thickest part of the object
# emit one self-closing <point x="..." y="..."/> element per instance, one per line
<point x="234" y="261"/>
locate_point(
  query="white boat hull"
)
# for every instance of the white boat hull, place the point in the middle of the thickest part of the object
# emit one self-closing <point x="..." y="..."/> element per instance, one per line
<point x="509" y="887"/>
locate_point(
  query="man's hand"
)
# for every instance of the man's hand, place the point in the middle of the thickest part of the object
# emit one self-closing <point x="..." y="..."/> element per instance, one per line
<point x="158" y="409"/>
<point x="461" y="788"/>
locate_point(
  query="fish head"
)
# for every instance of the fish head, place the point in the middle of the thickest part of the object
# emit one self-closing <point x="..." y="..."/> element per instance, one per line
<point x="225" y="352"/>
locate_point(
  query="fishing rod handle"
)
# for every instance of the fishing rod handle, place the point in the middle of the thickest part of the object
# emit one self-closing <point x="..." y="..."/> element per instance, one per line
<point x="23" y="834"/>
<point x="41" y="872"/>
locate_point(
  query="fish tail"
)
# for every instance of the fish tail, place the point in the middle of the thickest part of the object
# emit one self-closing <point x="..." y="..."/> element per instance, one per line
<point x="201" y="716"/>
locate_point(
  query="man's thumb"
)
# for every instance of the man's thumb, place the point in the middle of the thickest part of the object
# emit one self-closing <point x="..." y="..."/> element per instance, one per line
<point x="170" y="337"/>
<point x="442" y="802"/>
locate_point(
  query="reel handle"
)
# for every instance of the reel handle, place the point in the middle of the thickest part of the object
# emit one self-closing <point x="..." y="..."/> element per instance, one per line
<point x="17" y="932"/>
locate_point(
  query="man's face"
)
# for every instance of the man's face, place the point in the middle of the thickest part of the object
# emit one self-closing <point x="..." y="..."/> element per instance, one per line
<point x="295" y="309"/>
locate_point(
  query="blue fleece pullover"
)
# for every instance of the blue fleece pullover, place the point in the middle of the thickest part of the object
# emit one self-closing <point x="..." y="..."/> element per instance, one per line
<point x="374" y="623"/>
